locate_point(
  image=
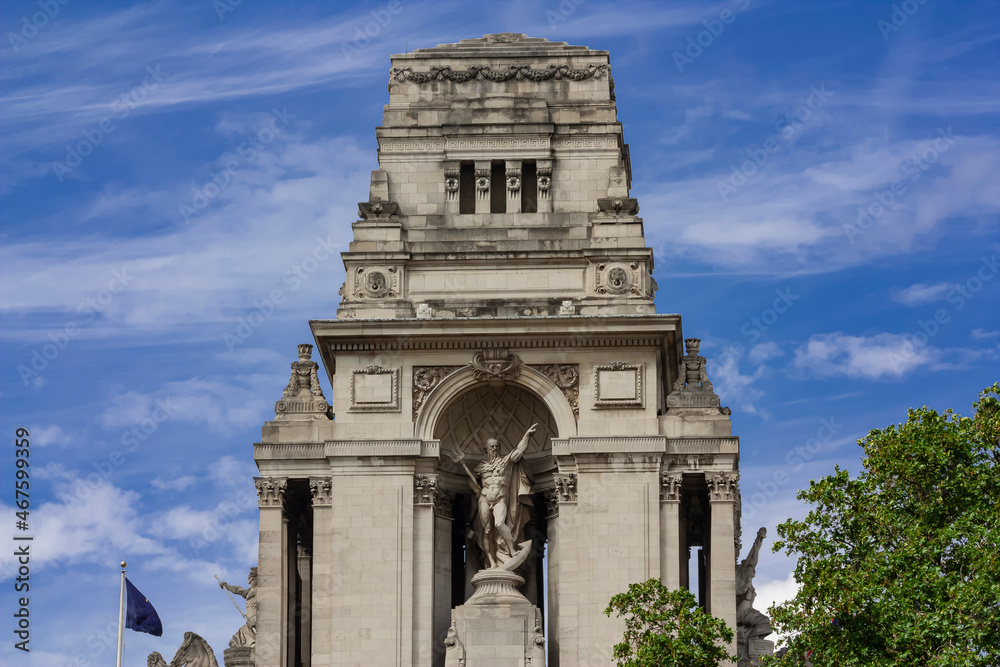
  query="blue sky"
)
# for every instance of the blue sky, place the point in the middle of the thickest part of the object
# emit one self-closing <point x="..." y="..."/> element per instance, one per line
<point x="834" y="161"/>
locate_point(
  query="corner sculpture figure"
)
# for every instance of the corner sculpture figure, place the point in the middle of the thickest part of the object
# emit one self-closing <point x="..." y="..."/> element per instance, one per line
<point x="504" y="499"/>
<point x="751" y="624"/>
<point x="194" y="652"/>
<point x="246" y="636"/>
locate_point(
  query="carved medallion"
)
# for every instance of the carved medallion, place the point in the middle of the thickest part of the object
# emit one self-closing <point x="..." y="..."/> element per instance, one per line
<point x="376" y="282"/>
<point x="619" y="278"/>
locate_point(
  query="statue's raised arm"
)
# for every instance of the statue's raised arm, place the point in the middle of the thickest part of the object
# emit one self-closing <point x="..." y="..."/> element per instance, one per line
<point x="751" y="558"/>
<point x="523" y="445"/>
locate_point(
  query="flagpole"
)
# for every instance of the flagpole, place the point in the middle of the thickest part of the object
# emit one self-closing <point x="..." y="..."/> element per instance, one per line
<point x="121" y="619"/>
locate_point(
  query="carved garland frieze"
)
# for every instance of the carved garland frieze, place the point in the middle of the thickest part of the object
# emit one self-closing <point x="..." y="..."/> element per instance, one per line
<point x="270" y="491"/>
<point x="567" y="378"/>
<point x="425" y="379"/>
<point x="321" y="489"/>
<point x="497" y="74"/>
<point x="376" y="282"/>
<point x="723" y="485"/>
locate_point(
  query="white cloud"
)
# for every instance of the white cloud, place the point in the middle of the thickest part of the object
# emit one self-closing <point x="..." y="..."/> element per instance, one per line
<point x="921" y="293"/>
<point x="222" y="405"/>
<point x="876" y="357"/>
<point x="735" y="389"/>
<point x="764" y="351"/>
<point x="213" y="271"/>
<point x="179" y="484"/>
<point x="774" y="592"/>
<point x="45" y="436"/>
<point x="792" y="214"/>
<point x="984" y="334"/>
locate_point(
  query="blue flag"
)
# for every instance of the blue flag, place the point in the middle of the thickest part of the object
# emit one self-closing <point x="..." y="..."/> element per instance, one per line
<point x="139" y="614"/>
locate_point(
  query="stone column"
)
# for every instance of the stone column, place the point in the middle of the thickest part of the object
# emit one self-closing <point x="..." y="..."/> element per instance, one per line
<point x="670" y="530"/>
<point x="424" y="489"/>
<point x="270" y="569"/>
<point x="323" y="588"/>
<point x="562" y="593"/>
<point x="483" y="173"/>
<point x="545" y="186"/>
<point x="513" y="184"/>
<point x="722" y="491"/>
<point x="442" y="570"/>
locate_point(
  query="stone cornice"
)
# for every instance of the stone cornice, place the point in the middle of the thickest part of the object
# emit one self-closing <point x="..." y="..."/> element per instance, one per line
<point x="730" y="445"/>
<point x="478" y="344"/>
<point x="656" y="444"/>
<point x="339" y="448"/>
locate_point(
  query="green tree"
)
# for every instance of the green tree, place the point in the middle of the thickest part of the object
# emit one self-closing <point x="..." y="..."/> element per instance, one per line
<point x="665" y="628"/>
<point x="901" y="565"/>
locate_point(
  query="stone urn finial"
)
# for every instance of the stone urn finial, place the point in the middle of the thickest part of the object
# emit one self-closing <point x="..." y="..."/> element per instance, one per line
<point x="305" y="352"/>
<point x="692" y="344"/>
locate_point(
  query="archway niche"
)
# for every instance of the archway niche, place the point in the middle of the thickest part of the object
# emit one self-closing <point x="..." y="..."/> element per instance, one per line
<point x="470" y="418"/>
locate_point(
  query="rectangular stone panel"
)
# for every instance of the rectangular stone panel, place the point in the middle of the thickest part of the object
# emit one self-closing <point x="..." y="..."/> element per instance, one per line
<point x="375" y="389"/>
<point x="618" y="385"/>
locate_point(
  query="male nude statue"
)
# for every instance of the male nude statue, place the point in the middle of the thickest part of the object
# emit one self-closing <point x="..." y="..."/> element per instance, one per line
<point x="496" y="488"/>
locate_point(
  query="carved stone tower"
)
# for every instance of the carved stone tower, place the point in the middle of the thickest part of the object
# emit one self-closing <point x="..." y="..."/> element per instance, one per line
<point x="498" y="278"/>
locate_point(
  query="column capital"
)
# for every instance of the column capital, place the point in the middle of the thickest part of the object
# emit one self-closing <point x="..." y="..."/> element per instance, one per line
<point x="564" y="491"/>
<point x="321" y="489"/>
<point x="270" y="490"/>
<point x="670" y="487"/>
<point x="428" y="491"/>
<point x="723" y="486"/>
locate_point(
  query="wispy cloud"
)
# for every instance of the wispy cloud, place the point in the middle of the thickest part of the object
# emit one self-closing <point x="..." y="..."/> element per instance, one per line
<point x="884" y="356"/>
<point x="922" y="293"/>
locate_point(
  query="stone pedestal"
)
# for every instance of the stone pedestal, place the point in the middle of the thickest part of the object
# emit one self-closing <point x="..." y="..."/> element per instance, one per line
<point x="496" y="627"/>
<point x="242" y="656"/>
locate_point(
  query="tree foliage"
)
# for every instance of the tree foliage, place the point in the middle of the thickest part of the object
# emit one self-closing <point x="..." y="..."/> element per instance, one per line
<point x="900" y="565"/>
<point x="665" y="628"/>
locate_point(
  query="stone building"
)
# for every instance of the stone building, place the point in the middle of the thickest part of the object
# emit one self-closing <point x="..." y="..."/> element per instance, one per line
<point x="498" y="278"/>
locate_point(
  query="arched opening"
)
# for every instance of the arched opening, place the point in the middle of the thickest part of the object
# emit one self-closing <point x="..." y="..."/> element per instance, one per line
<point x="469" y="418"/>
